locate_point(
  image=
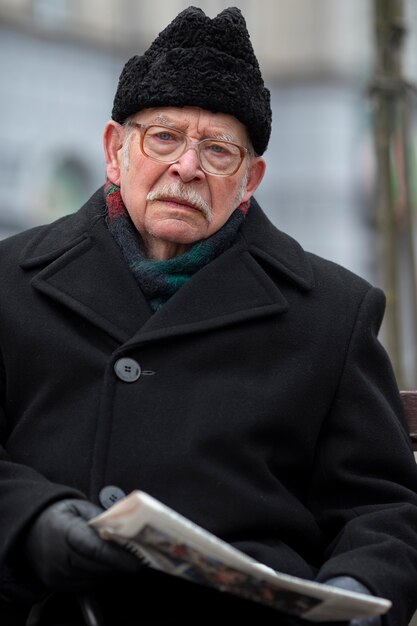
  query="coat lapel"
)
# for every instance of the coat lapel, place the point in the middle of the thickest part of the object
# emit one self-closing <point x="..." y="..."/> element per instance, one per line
<point x="77" y="263"/>
<point x="230" y="289"/>
<point x="236" y="286"/>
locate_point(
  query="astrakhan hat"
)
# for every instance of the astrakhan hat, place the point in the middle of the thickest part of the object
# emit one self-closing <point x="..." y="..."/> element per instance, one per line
<point x="203" y="62"/>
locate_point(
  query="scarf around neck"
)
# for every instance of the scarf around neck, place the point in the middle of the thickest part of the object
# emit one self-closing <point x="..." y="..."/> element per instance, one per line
<point x="159" y="280"/>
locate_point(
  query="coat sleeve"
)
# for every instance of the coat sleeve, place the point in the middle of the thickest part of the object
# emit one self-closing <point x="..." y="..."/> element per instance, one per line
<point x="365" y="482"/>
<point x="23" y="494"/>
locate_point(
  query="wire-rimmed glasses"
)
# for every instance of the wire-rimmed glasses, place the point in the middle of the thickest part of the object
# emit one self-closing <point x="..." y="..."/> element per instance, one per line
<point x="164" y="144"/>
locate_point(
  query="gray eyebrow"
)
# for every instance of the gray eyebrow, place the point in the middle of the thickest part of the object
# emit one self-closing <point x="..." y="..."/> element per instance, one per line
<point x="161" y="119"/>
<point x="223" y="137"/>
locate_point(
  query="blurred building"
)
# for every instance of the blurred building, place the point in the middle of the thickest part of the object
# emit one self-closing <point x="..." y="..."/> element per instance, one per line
<point x="60" y="61"/>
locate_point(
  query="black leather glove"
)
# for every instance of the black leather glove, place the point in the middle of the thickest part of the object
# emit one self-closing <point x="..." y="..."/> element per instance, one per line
<point x="351" y="584"/>
<point x="66" y="553"/>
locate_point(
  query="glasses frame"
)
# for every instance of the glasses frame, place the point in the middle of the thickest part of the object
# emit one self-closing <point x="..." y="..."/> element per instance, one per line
<point x="142" y="128"/>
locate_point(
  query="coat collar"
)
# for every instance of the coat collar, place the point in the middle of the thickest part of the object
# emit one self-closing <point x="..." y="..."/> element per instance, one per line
<point x="76" y="262"/>
<point x="280" y="251"/>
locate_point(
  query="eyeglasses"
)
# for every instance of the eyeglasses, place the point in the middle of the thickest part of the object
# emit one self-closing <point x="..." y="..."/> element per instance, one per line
<point x="166" y="145"/>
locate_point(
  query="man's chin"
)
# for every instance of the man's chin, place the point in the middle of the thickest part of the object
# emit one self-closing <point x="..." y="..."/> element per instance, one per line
<point x="172" y="238"/>
<point x="177" y="230"/>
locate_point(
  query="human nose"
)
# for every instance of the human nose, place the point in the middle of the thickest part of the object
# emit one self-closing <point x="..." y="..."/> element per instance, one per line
<point x="188" y="167"/>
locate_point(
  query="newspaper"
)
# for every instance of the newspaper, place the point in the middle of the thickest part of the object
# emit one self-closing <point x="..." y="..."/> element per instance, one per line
<point x="167" y="541"/>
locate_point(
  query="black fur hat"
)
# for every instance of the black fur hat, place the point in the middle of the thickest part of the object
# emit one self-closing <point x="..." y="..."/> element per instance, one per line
<point x="203" y="62"/>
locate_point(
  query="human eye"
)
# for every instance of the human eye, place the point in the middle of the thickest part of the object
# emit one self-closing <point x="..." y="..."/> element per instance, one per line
<point x="162" y="141"/>
<point x="219" y="148"/>
<point x="164" y="135"/>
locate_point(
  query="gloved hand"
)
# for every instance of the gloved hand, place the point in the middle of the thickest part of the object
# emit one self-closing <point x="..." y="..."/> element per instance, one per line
<point x="65" y="552"/>
<point x="351" y="584"/>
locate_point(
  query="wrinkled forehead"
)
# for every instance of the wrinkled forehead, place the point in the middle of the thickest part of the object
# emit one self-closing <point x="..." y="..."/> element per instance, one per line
<point x="195" y="120"/>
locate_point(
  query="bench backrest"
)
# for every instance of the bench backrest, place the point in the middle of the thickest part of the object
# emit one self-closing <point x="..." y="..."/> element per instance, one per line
<point x="409" y="399"/>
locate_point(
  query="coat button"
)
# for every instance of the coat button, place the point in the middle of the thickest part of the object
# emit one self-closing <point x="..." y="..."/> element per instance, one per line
<point x="127" y="370"/>
<point x="110" y="495"/>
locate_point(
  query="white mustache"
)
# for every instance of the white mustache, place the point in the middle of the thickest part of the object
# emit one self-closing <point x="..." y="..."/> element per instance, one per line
<point x="178" y="191"/>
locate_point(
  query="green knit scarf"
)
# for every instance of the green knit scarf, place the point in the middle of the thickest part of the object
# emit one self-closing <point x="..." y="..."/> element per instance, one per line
<point x="159" y="280"/>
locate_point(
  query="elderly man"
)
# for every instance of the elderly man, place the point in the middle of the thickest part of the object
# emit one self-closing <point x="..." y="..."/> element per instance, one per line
<point x="168" y="338"/>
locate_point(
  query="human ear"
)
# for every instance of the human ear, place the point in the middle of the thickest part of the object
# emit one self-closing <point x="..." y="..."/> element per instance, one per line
<point x="256" y="173"/>
<point x="113" y="143"/>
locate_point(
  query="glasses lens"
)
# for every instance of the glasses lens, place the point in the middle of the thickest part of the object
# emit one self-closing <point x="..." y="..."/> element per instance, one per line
<point x="219" y="157"/>
<point x="163" y="143"/>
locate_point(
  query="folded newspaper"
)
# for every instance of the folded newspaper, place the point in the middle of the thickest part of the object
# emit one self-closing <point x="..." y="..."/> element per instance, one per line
<point x="167" y="541"/>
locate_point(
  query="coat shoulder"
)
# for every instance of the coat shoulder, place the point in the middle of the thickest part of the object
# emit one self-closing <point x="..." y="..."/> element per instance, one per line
<point x="340" y="276"/>
<point x="283" y="256"/>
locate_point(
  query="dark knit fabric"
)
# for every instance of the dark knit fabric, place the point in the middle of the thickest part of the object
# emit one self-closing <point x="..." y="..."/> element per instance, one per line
<point x="159" y="280"/>
<point x="203" y="62"/>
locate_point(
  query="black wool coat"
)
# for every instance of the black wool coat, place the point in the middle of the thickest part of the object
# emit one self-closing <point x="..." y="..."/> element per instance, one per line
<point x="266" y="410"/>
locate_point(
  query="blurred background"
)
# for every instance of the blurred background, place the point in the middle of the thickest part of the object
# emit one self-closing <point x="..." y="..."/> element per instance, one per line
<point x="342" y="78"/>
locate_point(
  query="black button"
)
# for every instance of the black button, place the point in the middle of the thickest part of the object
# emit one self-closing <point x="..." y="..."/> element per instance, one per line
<point x="127" y="370"/>
<point x="110" y="495"/>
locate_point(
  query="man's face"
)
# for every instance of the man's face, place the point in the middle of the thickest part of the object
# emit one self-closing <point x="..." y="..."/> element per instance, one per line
<point x="155" y="193"/>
